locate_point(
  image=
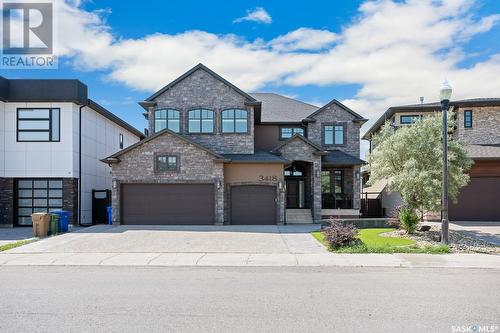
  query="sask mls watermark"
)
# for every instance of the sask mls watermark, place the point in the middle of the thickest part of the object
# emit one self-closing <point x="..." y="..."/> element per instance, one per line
<point x="28" y="35"/>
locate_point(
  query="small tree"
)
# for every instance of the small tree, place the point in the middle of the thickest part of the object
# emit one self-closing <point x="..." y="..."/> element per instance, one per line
<point x="411" y="159"/>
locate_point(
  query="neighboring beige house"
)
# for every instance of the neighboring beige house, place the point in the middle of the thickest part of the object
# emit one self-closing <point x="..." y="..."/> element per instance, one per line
<point x="478" y="125"/>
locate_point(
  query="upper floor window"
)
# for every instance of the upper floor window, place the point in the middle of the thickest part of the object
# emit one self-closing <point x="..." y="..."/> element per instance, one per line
<point x="42" y="125"/>
<point x="167" y="118"/>
<point x="289" y="131"/>
<point x="407" y="120"/>
<point x="201" y="121"/>
<point x="333" y="134"/>
<point x="468" y="118"/>
<point x="234" y="121"/>
<point x="121" y="141"/>
<point x="166" y="163"/>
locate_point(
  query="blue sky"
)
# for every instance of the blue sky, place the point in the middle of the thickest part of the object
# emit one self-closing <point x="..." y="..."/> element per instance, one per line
<point x="368" y="54"/>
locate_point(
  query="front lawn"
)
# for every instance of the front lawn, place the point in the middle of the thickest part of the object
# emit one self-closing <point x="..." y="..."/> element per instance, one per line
<point x="370" y="241"/>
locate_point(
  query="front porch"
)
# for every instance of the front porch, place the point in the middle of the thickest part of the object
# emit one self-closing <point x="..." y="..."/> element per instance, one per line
<point x="339" y="194"/>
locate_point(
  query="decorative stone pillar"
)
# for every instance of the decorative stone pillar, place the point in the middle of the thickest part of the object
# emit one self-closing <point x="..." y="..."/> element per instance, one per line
<point x="356" y="187"/>
<point x="115" y="201"/>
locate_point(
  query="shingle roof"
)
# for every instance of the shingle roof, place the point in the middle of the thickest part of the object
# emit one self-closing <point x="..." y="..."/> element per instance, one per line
<point x="427" y="107"/>
<point x="282" y="109"/>
<point x="257" y="157"/>
<point x="484" y="152"/>
<point x="319" y="150"/>
<point x="338" y="157"/>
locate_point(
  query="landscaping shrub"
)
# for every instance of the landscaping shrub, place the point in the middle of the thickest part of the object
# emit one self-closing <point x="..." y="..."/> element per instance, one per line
<point x="338" y="234"/>
<point x="409" y="219"/>
<point x="394" y="223"/>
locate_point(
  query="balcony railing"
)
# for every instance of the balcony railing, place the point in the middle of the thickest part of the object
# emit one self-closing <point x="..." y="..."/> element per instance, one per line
<point x="332" y="201"/>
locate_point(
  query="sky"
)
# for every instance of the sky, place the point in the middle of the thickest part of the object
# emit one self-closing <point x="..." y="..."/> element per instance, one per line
<point x="369" y="55"/>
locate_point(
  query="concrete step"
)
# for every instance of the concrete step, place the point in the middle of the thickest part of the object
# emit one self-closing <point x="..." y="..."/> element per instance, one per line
<point x="298" y="216"/>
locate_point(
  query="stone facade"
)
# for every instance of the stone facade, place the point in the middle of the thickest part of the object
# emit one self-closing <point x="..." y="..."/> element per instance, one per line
<point x="298" y="150"/>
<point x="196" y="166"/>
<point x="203" y="90"/>
<point x="485" y="125"/>
<point x="6" y="202"/>
<point x="70" y="198"/>
<point x="336" y="115"/>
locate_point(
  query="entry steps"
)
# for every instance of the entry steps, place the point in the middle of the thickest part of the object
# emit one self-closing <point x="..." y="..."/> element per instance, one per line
<point x="298" y="216"/>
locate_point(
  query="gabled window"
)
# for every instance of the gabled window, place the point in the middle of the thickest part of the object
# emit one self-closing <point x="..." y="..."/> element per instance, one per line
<point x="234" y="121"/>
<point x="166" y="163"/>
<point x="42" y="125"/>
<point x="468" y="118"/>
<point x="287" y="132"/>
<point x="201" y="121"/>
<point x="167" y="118"/>
<point x="407" y="120"/>
<point x="333" y="135"/>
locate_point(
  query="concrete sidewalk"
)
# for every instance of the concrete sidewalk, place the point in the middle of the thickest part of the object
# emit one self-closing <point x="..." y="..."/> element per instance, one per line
<point x="250" y="259"/>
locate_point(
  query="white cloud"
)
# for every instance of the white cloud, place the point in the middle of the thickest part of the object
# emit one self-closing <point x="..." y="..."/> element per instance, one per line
<point x="395" y="51"/>
<point x="259" y="15"/>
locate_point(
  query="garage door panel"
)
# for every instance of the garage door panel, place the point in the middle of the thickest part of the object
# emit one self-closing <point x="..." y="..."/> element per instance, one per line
<point x="478" y="201"/>
<point x="253" y="204"/>
<point x="168" y="204"/>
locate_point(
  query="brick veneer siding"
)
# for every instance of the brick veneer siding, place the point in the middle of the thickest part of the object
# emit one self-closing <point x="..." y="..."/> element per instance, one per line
<point x="485" y="125"/>
<point x="196" y="166"/>
<point x="70" y="198"/>
<point x="202" y="90"/>
<point x="298" y="150"/>
<point x="6" y="202"/>
<point x="335" y="114"/>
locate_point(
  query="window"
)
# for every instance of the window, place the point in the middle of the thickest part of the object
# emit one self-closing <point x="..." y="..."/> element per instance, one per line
<point x="38" y="125"/>
<point x="288" y="132"/>
<point x="166" y="163"/>
<point x="326" y="186"/>
<point x="37" y="195"/>
<point x="295" y="170"/>
<point x="234" y="121"/>
<point x="468" y="118"/>
<point x="407" y="120"/>
<point x="333" y="134"/>
<point x="338" y="181"/>
<point x="201" y="121"/>
<point x="167" y="118"/>
<point x="121" y="141"/>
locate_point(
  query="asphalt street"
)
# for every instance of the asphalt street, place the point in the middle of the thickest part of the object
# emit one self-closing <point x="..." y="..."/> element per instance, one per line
<point x="246" y="299"/>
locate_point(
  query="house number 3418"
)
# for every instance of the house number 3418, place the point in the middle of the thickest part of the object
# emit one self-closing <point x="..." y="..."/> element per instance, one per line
<point x="263" y="178"/>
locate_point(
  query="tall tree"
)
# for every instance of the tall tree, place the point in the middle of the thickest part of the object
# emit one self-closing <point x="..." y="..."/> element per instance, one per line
<point x="410" y="158"/>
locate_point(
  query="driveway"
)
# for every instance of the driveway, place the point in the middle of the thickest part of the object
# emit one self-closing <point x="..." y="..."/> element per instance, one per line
<point x="181" y="239"/>
<point x="12" y="235"/>
<point x="486" y="231"/>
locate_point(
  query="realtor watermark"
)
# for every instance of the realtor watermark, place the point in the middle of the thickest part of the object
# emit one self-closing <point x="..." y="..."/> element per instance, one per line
<point x="27" y="35"/>
<point x="474" y="328"/>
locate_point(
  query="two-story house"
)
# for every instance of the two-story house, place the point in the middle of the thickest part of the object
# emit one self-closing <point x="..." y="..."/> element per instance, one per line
<point x="52" y="138"/>
<point x="478" y="126"/>
<point x="219" y="155"/>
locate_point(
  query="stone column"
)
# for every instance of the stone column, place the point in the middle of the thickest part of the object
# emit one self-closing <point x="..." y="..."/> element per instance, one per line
<point x="356" y="187"/>
<point x="115" y="201"/>
<point x="6" y="202"/>
<point x="316" y="189"/>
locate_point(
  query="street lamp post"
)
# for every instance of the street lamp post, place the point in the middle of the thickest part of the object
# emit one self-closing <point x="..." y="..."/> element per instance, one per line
<point x="444" y="96"/>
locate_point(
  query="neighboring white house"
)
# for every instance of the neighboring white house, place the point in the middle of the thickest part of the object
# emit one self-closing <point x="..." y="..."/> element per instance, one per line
<point x="40" y="142"/>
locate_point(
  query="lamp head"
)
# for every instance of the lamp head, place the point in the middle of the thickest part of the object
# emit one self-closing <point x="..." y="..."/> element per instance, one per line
<point x="445" y="91"/>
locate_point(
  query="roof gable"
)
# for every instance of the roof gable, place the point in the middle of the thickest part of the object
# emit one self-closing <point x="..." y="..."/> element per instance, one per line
<point x="115" y="157"/>
<point x="318" y="149"/>
<point x="191" y="71"/>
<point x="357" y="116"/>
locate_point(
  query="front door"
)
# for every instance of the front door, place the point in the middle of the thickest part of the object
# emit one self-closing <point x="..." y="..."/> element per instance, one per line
<point x="292" y="193"/>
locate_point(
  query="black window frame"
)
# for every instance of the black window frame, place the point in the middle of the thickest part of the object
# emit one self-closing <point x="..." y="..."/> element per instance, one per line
<point x="336" y="173"/>
<point x="120" y="141"/>
<point x="333" y="125"/>
<point x="176" y="168"/>
<point x="167" y="119"/>
<point x="189" y="119"/>
<point x="417" y="117"/>
<point x="469" y="112"/>
<point x="48" y="188"/>
<point x="293" y="128"/>
<point x="234" y="118"/>
<point x="50" y="119"/>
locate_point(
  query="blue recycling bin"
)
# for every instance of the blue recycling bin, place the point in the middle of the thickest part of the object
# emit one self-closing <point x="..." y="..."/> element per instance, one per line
<point x="110" y="215"/>
<point x="63" y="220"/>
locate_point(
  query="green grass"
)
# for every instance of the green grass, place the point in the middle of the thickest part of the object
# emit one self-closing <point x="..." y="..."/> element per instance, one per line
<point x="370" y="241"/>
<point x="9" y="246"/>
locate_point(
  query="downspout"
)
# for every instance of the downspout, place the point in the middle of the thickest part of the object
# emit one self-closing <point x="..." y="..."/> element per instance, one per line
<point x="80" y="166"/>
